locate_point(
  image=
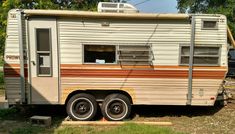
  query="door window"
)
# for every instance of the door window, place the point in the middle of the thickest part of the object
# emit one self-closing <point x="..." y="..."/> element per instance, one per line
<point x="43" y="40"/>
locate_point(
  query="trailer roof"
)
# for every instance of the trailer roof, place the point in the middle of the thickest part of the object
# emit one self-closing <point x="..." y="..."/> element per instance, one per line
<point x="87" y="14"/>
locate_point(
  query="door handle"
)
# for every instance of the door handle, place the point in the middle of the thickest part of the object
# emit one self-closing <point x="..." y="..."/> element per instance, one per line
<point x="33" y="62"/>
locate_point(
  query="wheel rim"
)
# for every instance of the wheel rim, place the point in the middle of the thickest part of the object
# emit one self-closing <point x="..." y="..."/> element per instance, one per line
<point x="116" y="109"/>
<point x="82" y="108"/>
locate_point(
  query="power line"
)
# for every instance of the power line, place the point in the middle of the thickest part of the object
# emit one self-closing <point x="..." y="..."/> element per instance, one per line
<point x="141" y="2"/>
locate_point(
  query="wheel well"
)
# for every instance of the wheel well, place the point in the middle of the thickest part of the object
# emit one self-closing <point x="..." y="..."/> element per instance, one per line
<point x="99" y="94"/>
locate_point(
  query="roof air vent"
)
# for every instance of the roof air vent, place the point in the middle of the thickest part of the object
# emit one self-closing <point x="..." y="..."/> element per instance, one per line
<point x="110" y="7"/>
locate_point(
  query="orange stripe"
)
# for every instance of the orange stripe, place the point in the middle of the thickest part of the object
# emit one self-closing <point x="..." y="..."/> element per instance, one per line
<point x="84" y="66"/>
<point x="108" y="73"/>
<point x="13" y="65"/>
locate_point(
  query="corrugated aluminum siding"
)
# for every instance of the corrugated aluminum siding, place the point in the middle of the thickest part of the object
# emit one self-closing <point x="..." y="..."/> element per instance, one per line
<point x="164" y="35"/>
<point x="75" y="32"/>
<point x="213" y="37"/>
<point x="12" y="84"/>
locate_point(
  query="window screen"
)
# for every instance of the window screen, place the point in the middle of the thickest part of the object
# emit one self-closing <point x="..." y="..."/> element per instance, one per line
<point x="209" y="24"/>
<point x="43" y="52"/>
<point x="135" y="54"/>
<point x="203" y="55"/>
<point x="99" y="54"/>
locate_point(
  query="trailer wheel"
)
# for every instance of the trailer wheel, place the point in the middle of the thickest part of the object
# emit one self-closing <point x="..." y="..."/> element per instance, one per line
<point x="116" y="107"/>
<point x="82" y="107"/>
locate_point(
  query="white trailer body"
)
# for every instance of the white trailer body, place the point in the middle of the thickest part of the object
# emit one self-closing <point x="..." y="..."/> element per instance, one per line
<point x="154" y="59"/>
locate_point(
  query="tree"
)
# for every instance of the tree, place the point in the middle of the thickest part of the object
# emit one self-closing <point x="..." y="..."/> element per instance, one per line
<point x="6" y="5"/>
<point x="225" y="7"/>
<point x="4" y="8"/>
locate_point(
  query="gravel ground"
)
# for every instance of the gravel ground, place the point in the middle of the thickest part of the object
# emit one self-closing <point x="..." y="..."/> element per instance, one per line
<point x="195" y="120"/>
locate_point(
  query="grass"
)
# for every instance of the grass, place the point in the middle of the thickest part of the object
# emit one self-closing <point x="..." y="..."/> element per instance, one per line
<point x="5" y="113"/>
<point x="77" y="130"/>
<point x="1" y="84"/>
<point x="1" y="61"/>
<point x="129" y="128"/>
<point x="2" y="92"/>
<point x="28" y="130"/>
<point x="139" y="129"/>
<point x="1" y="73"/>
<point x="1" y="78"/>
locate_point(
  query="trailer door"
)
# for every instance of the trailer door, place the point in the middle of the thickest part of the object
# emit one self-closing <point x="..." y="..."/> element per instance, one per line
<point x="43" y="56"/>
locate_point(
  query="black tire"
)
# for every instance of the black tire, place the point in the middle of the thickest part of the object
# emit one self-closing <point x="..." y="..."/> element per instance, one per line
<point x="82" y="107"/>
<point x="116" y="107"/>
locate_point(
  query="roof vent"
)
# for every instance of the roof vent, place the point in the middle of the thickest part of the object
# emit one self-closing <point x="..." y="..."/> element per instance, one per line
<point x="110" y="7"/>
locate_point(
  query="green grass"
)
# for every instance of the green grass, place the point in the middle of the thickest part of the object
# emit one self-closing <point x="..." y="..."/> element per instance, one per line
<point x="1" y="84"/>
<point x="139" y="129"/>
<point x="1" y="61"/>
<point x="4" y="113"/>
<point x="75" y="130"/>
<point x="2" y="92"/>
<point x="129" y="128"/>
<point x="28" y="130"/>
<point x="1" y="79"/>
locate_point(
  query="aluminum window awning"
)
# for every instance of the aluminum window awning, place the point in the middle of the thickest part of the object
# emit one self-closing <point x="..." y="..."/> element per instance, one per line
<point x="88" y="14"/>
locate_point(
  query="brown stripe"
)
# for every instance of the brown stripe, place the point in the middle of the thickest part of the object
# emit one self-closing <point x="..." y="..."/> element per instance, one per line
<point x="108" y="73"/>
<point x="14" y="72"/>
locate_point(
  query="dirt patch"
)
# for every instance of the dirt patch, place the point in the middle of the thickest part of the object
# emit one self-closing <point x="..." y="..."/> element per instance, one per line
<point x="204" y="120"/>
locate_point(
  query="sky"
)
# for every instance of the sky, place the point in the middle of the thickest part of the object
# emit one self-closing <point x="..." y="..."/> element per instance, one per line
<point x="155" y="6"/>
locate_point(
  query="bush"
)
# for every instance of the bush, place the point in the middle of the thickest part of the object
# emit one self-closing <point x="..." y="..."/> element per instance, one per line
<point x="7" y="112"/>
<point x="1" y="78"/>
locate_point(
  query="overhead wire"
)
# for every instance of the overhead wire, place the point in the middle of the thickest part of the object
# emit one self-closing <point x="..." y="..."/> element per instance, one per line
<point x="141" y="2"/>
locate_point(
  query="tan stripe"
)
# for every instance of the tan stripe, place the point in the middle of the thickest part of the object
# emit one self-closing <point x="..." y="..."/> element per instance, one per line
<point x="148" y="90"/>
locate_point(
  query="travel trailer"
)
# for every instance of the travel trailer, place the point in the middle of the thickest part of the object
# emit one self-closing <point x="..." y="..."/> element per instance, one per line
<point x="114" y="60"/>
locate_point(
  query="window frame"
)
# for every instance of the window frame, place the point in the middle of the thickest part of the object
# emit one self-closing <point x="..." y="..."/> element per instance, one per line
<point x="95" y="44"/>
<point x="150" y="56"/>
<point x="204" y="28"/>
<point x="201" y="45"/>
<point x="43" y="52"/>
